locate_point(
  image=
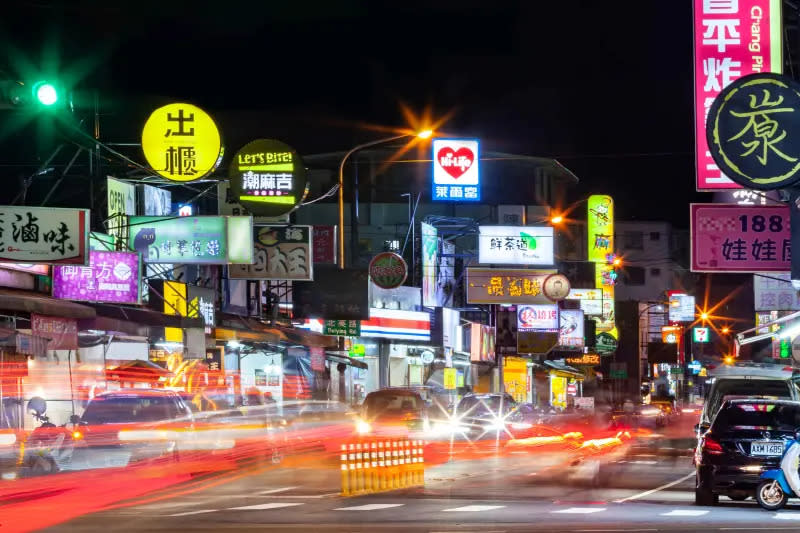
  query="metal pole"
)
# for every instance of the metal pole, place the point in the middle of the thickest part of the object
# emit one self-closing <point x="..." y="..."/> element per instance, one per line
<point x="354" y="215"/>
<point x="341" y="187"/>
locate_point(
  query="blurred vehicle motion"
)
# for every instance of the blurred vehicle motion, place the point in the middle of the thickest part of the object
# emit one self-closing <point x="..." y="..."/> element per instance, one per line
<point x="393" y="411"/>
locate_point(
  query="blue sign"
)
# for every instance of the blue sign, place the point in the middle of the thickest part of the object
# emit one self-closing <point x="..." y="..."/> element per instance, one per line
<point x="456" y="170"/>
<point x="695" y="367"/>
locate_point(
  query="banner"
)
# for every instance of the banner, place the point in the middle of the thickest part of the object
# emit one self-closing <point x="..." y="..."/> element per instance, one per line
<point x="732" y="238"/>
<point x="280" y="253"/>
<point x="732" y="38"/>
<point x="193" y="240"/>
<point x="430" y="258"/>
<point x="62" y="332"/>
<point x="44" y="235"/>
<point x="121" y="204"/>
<point x="112" y="277"/>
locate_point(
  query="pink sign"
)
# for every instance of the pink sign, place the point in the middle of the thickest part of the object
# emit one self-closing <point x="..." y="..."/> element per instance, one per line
<point x="732" y="38"/>
<point x="324" y="244"/>
<point x="110" y="277"/>
<point x="734" y="238"/>
<point x="62" y="332"/>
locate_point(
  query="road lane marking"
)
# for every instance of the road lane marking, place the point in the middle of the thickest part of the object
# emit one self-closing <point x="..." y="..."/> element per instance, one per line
<point x="685" y="512"/>
<point x="273" y="491"/>
<point x="787" y="516"/>
<point x="580" y="510"/>
<point x="263" y="506"/>
<point x="370" y="507"/>
<point x="472" y="508"/>
<point x="653" y="491"/>
<point x="194" y="512"/>
<point x="305" y="496"/>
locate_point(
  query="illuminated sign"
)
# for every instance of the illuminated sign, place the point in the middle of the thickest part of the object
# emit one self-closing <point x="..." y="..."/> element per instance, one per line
<point x="44" y="235"/>
<point x="670" y="334"/>
<point x="430" y="258"/>
<point x="121" y="204"/>
<point x="600" y="230"/>
<point x="112" y="277"/>
<point x="268" y="177"/>
<point x="456" y="170"/>
<point x="281" y="253"/>
<point x="481" y="343"/>
<point x="591" y="300"/>
<point x="388" y="270"/>
<point x="169" y="297"/>
<point x="515" y="245"/>
<point x="681" y="308"/>
<point x="506" y="286"/>
<point x="181" y="142"/>
<point x="395" y="324"/>
<point x="200" y="304"/>
<point x="571" y="332"/>
<point x="193" y="240"/>
<point x="537" y="318"/>
<point x="590" y="359"/>
<point x="700" y="335"/>
<point x="732" y="38"/>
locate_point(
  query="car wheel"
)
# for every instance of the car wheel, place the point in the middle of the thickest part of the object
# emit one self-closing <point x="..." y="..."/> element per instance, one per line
<point x="704" y="495"/>
<point x="40" y="465"/>
<point x="770" y="495"/>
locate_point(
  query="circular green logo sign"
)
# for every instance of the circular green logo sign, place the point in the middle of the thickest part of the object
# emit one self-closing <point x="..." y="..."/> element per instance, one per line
<point x="267" y="177"/>
<point x="606" y="343"/>
<point x="388" y="270"/>
<point x="753" y="131"/>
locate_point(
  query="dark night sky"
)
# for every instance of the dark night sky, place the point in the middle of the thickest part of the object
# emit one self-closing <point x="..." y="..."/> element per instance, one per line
<point x="604" y="87"/>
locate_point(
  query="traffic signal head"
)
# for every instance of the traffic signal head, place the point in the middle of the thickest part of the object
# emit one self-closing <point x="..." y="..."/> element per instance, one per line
<point x="45" y="93"/>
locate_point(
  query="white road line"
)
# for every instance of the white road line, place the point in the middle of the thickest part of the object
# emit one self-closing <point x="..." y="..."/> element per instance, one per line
<point x="472" y="508"/>
<point x="580" y="510"/>
<point x="273" y="491"/>
<point x="263" y="506"/>
<point x="787" y="516"/>
<point x="305" y="496"/>
<point x="685" y="512"/>
<point x="370" y="507"/>
<point x="649" y="492"/>
<point x="194" y="512"/>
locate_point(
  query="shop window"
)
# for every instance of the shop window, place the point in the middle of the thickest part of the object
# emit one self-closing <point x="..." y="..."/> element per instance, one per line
<point x="633" y="240"/>
<point x="391" y="246"/>
<point x="634" y="276"/>
<point x="655" y="272"/>
<point x="655" y="235"/>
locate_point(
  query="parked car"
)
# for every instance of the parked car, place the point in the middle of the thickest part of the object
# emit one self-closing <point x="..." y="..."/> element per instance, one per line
<point x="395" y="411"/>
<point x="745" y="438"/>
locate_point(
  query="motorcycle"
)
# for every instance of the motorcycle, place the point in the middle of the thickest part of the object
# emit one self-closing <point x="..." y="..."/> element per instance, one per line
<point x="780" y="484"/>
<point x="49" y="446"/>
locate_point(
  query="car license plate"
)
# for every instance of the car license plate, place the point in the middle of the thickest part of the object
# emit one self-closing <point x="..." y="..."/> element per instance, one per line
<point x="766" y="448"/>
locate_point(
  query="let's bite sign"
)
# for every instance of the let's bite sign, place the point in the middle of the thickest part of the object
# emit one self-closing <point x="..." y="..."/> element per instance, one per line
<point x="456" y="170"/>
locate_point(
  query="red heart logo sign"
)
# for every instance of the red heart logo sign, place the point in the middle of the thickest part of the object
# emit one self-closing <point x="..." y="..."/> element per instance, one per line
<point x="455" y="162"/>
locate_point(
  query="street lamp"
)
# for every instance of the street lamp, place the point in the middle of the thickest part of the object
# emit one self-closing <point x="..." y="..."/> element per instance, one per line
<point x="424" y="134"/>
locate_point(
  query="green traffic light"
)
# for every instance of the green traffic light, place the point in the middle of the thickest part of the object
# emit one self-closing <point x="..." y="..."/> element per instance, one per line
<point x="45" y="93"/>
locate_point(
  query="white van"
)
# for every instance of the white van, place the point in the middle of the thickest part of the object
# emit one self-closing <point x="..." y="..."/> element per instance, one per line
<point x="748" y="380"/>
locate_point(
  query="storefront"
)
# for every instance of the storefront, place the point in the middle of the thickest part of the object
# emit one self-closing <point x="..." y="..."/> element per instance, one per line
<point x="566" y="383"/>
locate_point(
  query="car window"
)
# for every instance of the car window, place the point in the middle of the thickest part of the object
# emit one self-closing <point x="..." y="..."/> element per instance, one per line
<point x="386" y="403"/>
<point x="745" y="388"/>
<point x="761" y="416"/>
<point x="127" y="409"/>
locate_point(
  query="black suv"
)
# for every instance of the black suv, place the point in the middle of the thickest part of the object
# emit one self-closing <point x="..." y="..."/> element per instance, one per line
<point x="746" y="437"/>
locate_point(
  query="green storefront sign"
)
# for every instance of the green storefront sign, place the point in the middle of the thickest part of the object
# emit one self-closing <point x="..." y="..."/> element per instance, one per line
<point x="605" y="343"/>
<point x="342" y="328"/>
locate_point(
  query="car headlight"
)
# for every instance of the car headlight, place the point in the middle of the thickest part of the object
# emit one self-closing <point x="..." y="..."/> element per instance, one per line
<point x="363" y="427"/>
<point x="650" y="412"/>
<point x="496" y="425"/>
<point x="521" y="425"/>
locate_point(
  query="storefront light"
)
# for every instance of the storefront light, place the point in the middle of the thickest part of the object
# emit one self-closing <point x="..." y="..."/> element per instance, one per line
<point x="234" y="345"/>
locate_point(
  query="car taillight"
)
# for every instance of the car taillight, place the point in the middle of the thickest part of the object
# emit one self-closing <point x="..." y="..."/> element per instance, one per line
<point x="712" y="446"/>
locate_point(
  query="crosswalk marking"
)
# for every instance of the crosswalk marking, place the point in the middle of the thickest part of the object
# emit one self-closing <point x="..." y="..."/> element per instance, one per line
<point x="580" y="510"/>
<point x="188" y="513"/>
<point x="263" y="506"/>
<point x="473" y="508"/>
<point x="685" y="512"/>
<point x="787" y="516"/>
<point x="369" y="507"/>
<point x="273" y="491"/>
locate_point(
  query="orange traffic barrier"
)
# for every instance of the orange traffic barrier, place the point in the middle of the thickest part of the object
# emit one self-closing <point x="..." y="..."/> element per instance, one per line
<point x="378" y="464"/>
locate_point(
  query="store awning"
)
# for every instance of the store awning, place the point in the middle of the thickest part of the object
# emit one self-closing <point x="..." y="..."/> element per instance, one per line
<point x="568" y="371"/>
<point x="278" y="333"/>
<point x="137" y="370"/>
<point x="246" y="335"/>
<point x="29" y="302"/>
<point x="126" y="319"/>
<point x="342" y="357"/>
<point x="12" y="340"/>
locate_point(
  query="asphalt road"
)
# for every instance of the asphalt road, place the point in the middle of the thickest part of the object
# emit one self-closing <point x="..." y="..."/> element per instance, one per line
<point x="648" y="488"/>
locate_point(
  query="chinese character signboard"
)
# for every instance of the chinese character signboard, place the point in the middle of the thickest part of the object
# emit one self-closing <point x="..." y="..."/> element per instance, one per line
<point x="456" y="170"/>
<point x="516" y="245"/>
<point x="746" y="197"/>
<point x="121" y="204"/>
<point x="168" y="297"/>
<point x="542" y="317"/>
<point x="44" y="235"/>
<point x="731" y="238"/>
<point x="506" y="286"/>
<point x="112" y="277"/>
<point x="200" y="303"/>
<point x="342" y="328"/>
<point x="193" y="240"/>
<point x="430" y="258"/>
<point x="449" y="379"/>
<point x="335" y="294"/>
<point x="317" y="356"/>
<point x="591" y="300"/>
<point x="267" y="177"/>
<point x="215" y="358"/>
<point x="325" y="244"/>
<point x="753" y="130"/>
<point x="181" y="142"/>
<point x="681" y="308"/>
<point x="62" y="332"/>
<point x="774" y="292"/>
<point x="600" y="230"/>
<point x="732" y="38"/>
<point x="570" y="332"/>
<point x="281" y="253"/>
<point x="590" y="359"/>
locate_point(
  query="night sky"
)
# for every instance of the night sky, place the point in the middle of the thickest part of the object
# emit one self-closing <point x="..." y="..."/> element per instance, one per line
<point x="604" y="87"/>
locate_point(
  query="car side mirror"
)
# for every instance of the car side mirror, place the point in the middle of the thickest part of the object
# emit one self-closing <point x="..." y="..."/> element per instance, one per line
<point x="702" y="427"/>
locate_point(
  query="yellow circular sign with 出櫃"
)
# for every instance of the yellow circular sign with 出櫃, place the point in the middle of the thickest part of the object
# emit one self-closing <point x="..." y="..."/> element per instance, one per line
<point x="181" y="142"/>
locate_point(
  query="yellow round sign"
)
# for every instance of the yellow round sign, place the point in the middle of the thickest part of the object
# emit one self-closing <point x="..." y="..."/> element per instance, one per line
<point x="181" y="142"/>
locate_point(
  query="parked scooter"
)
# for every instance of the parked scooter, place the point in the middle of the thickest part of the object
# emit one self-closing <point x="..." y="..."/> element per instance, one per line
<point x="780" y="484"/>
<point x="49" y="447"/>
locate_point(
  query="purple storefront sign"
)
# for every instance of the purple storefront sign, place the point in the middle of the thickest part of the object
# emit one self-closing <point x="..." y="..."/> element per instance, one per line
<point x="111" y="277"/>
<point x="734" y="238"/>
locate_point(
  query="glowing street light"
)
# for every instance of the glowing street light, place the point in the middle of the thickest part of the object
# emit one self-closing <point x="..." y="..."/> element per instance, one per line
<point x="558" y="219"/>
<point x="704" y="316"/>
<point x="425" y="134"/>
<point x="726" y="330"/>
